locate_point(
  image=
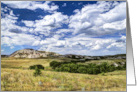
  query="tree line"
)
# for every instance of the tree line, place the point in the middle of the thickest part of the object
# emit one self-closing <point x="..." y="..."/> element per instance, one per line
<point x="86" y="69"/>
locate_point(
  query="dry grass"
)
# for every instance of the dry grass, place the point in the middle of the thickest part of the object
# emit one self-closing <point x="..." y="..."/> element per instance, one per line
<point x="13" y="79"/>
<point x="108" y="61"/>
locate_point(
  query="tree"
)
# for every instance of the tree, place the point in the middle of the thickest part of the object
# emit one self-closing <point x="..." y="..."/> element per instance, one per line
<point x="55" y="64"/>
<point x="37" y="72"/>
<point x="111" y="68"/>
<point x="38" y="66"/>
<point x="82" y="70"/>
<point x="96" y="71"/>
<point x="90" y="70"/>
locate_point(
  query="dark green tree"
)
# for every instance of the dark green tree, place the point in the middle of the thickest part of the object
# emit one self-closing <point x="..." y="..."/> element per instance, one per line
<point x="37" y="72"/>
<point x="82" y="70"/>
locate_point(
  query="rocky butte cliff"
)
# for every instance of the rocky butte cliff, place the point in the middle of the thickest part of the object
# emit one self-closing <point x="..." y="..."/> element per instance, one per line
<point x="31" y="53"/>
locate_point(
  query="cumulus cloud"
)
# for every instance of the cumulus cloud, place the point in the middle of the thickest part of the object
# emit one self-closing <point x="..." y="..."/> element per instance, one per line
<point x="47" y="23"/>
<point x="52" y="21"/>
<point x="29" y="23"/>
<point x="31" y="5"/>
<point x="99" y="19"/>
<point x="95" y="29"/>
<point x="82" y="44"/>
<point x="12" y="34"/>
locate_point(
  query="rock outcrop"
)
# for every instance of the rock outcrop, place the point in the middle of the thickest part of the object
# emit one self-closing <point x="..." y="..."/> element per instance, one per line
<point x="31" y="53"/>
<point x="119" y="56"/>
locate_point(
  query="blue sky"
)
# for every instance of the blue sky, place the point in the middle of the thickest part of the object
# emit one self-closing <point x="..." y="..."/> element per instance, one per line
<point x="65" y="27"/>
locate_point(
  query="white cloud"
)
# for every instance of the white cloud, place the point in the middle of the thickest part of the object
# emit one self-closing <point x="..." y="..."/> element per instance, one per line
<point x="91" y="21"/>
<point x="31" y="5"/>
<point x="50" y="22"/>
<point x="28" y="23"/>
<point x="64" y="31"/>
<point x="19" y="39"/>
<point x="64" y="5"/>
<point x="13" y="35"/>
<point x="81" y="44"/>
<point x="118" y="25"/>
<point x="99" y="19"/>
<point x="116" y="14"/>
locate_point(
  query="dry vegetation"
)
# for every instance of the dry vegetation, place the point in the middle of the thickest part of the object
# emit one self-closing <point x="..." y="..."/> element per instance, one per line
<point x="15" y="76"/>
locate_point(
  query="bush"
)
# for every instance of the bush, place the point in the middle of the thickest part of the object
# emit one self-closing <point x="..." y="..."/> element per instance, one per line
<point x="104" y="67"/>
<point x="82" y="70"/>
<point x="38" y="66"/>
<point x="69" y="67"/>
<point x="55" y="64"/>
<point x="37" y="71"/>
<point x="96" y="70"/>
<point x="103" y="74"/>
<point x="73" y="67"/>
<point x="90" y="70"/>
<point x="124" y="66"/>
<point x="111" y="68"/>
<point x="74" y="61"/>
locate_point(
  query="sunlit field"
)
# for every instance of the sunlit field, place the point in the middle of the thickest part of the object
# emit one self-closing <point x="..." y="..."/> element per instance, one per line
<point x="16" y="76"/>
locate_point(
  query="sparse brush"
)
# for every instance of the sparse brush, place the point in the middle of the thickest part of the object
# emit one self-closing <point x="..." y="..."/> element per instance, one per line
<point x="103" y="74"/>
<point x="37" y="72"/>
<point x="22" y="79"/>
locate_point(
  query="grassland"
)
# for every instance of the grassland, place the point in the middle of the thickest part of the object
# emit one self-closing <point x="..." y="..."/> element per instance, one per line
<point x="15" y="76"/>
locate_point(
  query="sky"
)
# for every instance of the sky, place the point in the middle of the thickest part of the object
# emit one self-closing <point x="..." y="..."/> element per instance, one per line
<point x="65" y="27"/>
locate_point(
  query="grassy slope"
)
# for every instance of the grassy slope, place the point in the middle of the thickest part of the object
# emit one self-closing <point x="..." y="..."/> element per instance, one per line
<point x="16" y="77"/>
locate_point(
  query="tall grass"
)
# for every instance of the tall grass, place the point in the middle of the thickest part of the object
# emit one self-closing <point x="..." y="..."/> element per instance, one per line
<point x="20" y="79"/>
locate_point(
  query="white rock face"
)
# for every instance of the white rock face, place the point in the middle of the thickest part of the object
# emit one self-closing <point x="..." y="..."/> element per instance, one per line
<point x="30" y="53"/>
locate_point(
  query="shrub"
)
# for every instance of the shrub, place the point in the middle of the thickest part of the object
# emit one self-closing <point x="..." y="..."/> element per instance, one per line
<point x="119" y="68"/>
<point x="38" y="66"/>
<point x="90" y="70"/>
<point x="66" y="69"/>
<point x="74" y="61"/>
<point x="96" y="70"/>
<point x="73" y="67"/>
<point x="73" y="57"/>
<point x="58" y="69"/>
<point x="111" y="68"/>
<point x="124" y="66"/>
<point x="37" y="71"/>
<point x="55" y="64"/>
<point x="103" y="74"/>
<point x="82" y="70"/>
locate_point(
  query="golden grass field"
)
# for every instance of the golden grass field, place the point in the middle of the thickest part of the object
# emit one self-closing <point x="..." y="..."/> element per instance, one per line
<point x="15" y="76"/>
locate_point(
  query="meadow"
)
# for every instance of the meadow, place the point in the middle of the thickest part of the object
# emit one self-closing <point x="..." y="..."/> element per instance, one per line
<point x="16" y="76"/>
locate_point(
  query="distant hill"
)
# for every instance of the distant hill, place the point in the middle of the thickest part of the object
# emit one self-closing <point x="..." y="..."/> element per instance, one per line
<point x="31" y="53"/>
<point x="4" y="55"/>
<point x="118" y="56"/>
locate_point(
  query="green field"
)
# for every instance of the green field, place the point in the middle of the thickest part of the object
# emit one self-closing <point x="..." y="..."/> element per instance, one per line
<point x="16" y="76"/>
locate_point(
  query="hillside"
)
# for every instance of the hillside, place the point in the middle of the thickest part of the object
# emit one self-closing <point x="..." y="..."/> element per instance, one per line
<point x="83" y="57"/>
<point x="31" y="53"/>
<point x="16" y="74"/>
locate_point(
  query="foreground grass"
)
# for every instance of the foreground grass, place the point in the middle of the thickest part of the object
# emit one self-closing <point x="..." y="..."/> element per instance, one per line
<point x="16" y="77"/>
<point x="23" y="80"/>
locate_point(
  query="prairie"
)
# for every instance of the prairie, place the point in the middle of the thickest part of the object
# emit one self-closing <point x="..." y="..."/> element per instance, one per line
<point x="15" y="76"/>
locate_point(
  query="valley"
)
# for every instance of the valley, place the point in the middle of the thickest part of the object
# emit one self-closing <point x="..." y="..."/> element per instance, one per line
<point x="16" y="76"/>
